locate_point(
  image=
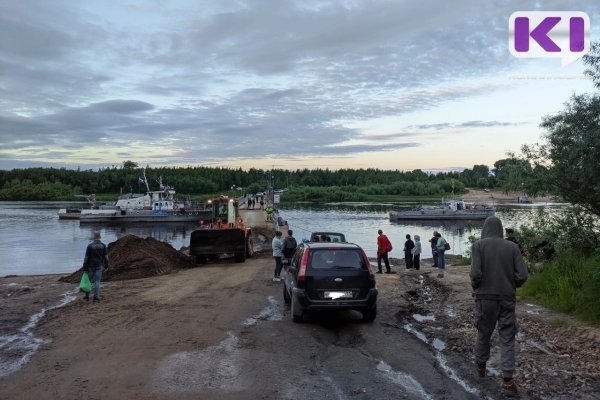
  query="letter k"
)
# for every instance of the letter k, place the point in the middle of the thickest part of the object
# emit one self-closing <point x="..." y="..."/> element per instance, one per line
<point x="539" y="34"/>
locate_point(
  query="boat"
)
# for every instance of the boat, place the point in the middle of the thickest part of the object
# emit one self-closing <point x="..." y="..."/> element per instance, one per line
<point x="69" y="213"/>
<point x="155" y="206"/>
<point x="74" y="212"/>
<point x="448" y="210"/>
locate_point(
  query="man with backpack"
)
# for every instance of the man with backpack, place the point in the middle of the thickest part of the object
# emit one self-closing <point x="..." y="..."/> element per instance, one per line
<point x="289" y="245"/>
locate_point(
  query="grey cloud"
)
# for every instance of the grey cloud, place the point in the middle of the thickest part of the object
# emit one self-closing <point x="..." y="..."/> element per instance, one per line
<point x="292" y="73"/>
<point x="468" y="124"/>
<point x="120" y="106"/>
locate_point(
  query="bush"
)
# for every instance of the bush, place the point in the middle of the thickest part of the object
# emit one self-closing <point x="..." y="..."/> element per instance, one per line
<point x="570" y="284"/>
<point x="573" y="231"/>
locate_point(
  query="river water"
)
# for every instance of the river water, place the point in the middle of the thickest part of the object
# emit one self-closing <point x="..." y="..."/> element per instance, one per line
<point x="33" y="241"/>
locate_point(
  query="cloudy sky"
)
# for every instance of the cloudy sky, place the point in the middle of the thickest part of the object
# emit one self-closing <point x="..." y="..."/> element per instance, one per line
<point x="293" y="84"/>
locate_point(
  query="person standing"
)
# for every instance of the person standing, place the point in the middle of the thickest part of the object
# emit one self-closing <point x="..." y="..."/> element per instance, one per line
<point x="94" y="262"/>
<point x="289" y="245"/>
<point x="384" y="246"/>
<point x="416" y="253"/>
<point x="434" y="252"/>
<point x="409" y="245"/>
<point x="497" y="269"/>
<point x="277" y="246"/>
<point x="510" y="236"/>
<point x="269" y="211"/>
<point x="441" y="250"/>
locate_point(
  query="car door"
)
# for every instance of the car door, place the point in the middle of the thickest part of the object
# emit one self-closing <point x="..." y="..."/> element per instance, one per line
<point x="290" y="271"/>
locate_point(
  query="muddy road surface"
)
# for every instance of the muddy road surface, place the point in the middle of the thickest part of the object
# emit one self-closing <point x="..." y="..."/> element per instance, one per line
<point x="222" y="331"/>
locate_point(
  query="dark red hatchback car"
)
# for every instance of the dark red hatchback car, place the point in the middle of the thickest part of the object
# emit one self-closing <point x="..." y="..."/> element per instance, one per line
<point x="330" y="276"/>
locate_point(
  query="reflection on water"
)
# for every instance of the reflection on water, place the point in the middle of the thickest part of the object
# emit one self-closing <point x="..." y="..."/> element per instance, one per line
<point x="450" y="226"/>
<point x="34" y="241"/>
<point x="360" y="222"/>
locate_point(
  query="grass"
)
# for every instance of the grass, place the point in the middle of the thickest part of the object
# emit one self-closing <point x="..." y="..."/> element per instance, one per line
<point x="568" y="284"/>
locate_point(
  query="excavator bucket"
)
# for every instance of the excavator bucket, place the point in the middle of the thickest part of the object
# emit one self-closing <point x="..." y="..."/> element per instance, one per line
<point x="210" y="243"/>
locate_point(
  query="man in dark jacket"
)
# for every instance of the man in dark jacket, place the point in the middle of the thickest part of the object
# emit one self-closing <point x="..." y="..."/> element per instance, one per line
<point x="289" y="245"/>
<point x="434" y="253"/>
<point x="408" y="257"/>
<point x="497" y="269"/>
<point x="95" y="261"/>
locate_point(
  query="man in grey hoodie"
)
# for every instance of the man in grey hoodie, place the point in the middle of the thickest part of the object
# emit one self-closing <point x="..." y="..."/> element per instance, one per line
<point x="497" y="269"/>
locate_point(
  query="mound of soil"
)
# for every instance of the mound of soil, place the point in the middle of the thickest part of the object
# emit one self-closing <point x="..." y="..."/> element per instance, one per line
<point x="133" y="257"/>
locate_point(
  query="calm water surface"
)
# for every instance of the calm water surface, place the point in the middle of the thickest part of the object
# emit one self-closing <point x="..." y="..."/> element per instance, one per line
<point x="34" y="241"/>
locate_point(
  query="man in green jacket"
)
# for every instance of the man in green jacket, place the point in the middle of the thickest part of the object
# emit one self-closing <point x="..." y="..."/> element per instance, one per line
<point x="497" y="269"/>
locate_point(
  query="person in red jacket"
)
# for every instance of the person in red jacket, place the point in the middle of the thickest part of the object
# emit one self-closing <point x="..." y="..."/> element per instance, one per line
<point x="384" y="246"/>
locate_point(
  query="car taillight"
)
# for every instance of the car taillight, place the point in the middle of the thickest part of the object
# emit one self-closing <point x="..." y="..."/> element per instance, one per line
<point x="303" y="264"/>
<point x="368" y="264"/>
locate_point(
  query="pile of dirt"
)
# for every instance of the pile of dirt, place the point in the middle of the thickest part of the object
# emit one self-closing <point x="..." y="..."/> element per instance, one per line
<point x="133" y="257"/>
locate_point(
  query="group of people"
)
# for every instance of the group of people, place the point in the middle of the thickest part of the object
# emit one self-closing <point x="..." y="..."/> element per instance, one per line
<point x="412" y="252"/>
<point x="283" y="250"/>
<point x="252" y="200"/>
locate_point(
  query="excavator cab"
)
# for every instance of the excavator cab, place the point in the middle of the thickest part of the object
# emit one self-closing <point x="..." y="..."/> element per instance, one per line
<point x="225" y="234"/>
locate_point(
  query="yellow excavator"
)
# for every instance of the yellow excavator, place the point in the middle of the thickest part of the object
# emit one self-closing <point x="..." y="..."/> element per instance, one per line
<point x="226" y="233"/>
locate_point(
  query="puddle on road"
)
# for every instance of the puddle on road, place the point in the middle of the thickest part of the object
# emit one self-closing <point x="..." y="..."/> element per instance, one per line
<point x="272" y="312"/>
<point x="420" y="335"/>
<point x="539" y="346"/>
<point x="450" y="311"/>
<point x="16" y="350"/>
<point x="439" y="345"/>
<point x="402" y="379"/>
<point x="423" y="318"/>
<point x="215" y="368"/>
<point x="453" y="375"/>
<point x="533" y="309"/>
<point x="336" y="389"/>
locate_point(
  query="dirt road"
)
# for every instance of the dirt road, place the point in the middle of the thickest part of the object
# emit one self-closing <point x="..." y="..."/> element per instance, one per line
<point x="223" y="332"/>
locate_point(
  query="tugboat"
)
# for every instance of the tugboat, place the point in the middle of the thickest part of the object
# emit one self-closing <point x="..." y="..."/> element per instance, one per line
<point x="448" y="210"/>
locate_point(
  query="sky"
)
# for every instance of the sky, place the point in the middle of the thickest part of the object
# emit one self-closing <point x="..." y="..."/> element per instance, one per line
<point x="273" y="84"/>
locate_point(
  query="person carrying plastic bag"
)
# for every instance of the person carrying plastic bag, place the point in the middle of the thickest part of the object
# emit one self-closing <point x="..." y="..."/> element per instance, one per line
<point x="95" y="261"/>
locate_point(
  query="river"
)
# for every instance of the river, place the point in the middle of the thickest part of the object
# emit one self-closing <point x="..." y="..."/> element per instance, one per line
<point x="33" y="241"/>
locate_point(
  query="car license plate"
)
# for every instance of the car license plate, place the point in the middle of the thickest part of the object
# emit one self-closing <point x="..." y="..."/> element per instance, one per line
<point x="338" y="295"/>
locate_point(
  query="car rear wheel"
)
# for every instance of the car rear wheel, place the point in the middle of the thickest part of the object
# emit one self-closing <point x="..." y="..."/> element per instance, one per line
<point x="286" y="296"/>
<point x="370" y="314"/>
<point x="297" y="313"/>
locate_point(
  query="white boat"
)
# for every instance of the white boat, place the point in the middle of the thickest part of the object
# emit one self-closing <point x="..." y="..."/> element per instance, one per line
<point x="448" y="210"/>
<point x="155" y="206"/>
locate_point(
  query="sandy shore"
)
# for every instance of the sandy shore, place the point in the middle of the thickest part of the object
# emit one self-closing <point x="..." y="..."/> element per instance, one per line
<point x="491" y="196"/>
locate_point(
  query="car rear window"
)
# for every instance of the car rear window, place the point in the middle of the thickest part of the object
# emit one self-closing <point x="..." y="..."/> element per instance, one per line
<point x="335" y="258"/>
<point x="328" y="237"/>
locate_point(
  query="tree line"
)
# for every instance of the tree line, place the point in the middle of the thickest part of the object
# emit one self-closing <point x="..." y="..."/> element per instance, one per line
<point x="63" y="184"/>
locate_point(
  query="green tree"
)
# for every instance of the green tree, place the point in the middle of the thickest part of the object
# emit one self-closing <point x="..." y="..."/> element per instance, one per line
<point x="570" y="154"/>
<point x="129" y="164"/>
